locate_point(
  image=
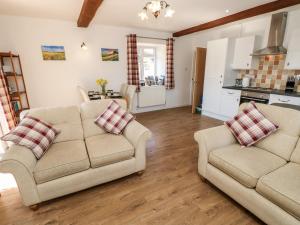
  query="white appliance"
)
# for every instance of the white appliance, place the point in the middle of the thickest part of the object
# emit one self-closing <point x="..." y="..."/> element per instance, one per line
<point x="246" y="82"/>
<point x="217" y="74"/>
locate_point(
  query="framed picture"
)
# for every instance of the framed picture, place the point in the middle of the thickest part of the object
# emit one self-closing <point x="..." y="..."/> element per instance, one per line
<point x="109" y="54"/>
<point x="53" y="52"/>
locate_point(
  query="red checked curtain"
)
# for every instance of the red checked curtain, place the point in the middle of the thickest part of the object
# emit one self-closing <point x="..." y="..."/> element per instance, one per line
<point x="170" y="80"/>
<point x="6" y="104"/>
<point x="132" y="61"/>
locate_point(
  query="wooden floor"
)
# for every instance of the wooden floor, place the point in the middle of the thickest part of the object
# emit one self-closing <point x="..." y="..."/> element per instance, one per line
<point x="169" y="192"/>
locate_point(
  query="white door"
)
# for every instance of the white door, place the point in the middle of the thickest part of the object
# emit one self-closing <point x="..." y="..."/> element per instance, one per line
<point x="214" y="74"/>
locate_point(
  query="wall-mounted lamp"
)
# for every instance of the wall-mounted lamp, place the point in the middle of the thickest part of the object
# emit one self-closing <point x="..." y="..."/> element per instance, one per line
<point x="83" y="46"/>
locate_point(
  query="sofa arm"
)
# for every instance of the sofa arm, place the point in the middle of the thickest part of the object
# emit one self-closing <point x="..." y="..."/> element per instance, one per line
<point x="210" y="139"/>
<point x="20" y="162"/>
<point x="138" y="135"/>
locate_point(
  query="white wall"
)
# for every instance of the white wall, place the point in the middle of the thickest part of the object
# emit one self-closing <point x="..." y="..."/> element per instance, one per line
<point x="254" y="26"/>
<point x="53" y="83"/>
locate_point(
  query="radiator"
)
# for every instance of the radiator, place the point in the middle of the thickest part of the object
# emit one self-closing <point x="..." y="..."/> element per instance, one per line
<point x="151" y="96"/>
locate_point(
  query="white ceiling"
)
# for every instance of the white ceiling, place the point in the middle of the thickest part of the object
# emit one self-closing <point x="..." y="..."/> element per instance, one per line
<point x="124" y="12"/>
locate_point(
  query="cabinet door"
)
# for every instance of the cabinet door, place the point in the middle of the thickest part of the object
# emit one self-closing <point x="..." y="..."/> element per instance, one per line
<point x="216" y="58"/>
<point x="292" y="61"/>
<point x="230" y="101"/>
<point x="244" y="47"/>
<point x="214" y="74"/>
<point x="212" y="95"/>
<point x="284" y="99"/>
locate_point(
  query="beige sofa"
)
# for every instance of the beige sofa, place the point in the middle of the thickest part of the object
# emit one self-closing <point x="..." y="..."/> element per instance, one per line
<point x="264" y="178"/>
<point x="82" y="155"/>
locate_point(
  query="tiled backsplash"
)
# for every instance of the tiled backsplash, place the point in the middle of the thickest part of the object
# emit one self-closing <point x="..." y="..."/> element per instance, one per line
<point x="270" y="73"/>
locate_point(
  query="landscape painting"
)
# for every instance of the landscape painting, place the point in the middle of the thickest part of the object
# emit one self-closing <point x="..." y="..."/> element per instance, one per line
<point x="109" y="54"/>
<point x="53" y="52"/>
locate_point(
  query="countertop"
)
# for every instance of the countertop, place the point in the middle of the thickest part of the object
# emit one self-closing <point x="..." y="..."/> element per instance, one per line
<point x="268" y="91"/>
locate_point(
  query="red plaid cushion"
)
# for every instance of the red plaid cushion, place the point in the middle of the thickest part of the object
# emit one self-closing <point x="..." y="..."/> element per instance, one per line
<point x="33" y="134"/>
<point x="250" y="126"/>
<point x="114" y="119"/>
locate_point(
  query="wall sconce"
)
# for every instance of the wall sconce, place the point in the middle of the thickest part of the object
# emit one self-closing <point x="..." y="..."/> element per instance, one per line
<point x="83" y="46"/>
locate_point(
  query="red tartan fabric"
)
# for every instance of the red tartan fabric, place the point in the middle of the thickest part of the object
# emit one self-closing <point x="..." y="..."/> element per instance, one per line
<point x="170" y="80"/>
<point x="132" y="61"/>
<point x="6" y="103"/>
<point x="114" y="119"/>
<point x="250" y="126"/>
<point x="33" y="134"/>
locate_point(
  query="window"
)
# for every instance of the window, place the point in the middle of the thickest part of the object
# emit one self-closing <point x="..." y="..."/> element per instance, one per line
<point x="147" y="61"/>
<point x="152" y="63"/>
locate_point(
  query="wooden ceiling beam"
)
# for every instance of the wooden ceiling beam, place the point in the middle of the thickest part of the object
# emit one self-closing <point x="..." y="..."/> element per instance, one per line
<point x="258" y="10"/>
<point x="88" y="11"/>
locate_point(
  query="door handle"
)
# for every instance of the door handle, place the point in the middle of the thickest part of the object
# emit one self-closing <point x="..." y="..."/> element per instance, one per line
<point x="283" y="100"/>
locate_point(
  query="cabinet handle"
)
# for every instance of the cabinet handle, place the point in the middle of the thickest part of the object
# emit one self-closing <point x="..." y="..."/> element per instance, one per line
<point x="283" y="100"/>
<point x="288" y="64"/>
<point x="230" y="93"/>
<point x="247" y="64"/>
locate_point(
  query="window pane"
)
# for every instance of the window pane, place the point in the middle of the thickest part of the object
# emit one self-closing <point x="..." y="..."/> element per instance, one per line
<point x="148" y="51"/>
<point x="149" y="66"/>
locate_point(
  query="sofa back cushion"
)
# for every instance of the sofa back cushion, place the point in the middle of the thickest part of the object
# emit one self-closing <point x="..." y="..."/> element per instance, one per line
<point x="282" y="142"/>
<point x="65" y="119"/>
<point x="91" y="110"/>
<point x="296" y="153"/>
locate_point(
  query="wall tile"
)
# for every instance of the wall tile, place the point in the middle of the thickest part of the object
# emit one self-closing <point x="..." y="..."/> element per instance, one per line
<point x="270" y="73"/>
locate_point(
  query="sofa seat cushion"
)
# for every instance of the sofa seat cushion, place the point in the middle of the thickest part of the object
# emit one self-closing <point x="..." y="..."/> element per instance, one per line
<point x="106" y="149"/>
<point x="282" y="187"/>
<point x="62" y="159"/>
<point x="246" y="165"/>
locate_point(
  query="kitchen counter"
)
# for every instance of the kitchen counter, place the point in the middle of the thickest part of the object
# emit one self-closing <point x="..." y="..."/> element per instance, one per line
<point x="264" y="90"/>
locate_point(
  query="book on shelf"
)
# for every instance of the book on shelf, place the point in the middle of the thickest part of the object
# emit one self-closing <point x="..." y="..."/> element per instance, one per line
<point x="16" y="106"/>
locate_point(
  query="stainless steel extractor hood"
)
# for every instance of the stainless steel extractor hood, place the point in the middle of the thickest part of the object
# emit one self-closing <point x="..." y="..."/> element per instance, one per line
<point x="276" y="36"/>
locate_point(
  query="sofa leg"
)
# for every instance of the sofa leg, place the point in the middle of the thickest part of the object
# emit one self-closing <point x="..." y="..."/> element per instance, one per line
<point x="203" y="179"/>
<point x="140" y="173"/>
<point x="34" y="207"/>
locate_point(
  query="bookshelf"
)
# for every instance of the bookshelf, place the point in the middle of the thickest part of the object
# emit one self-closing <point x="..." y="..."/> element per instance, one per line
<point x="14" y="78"/>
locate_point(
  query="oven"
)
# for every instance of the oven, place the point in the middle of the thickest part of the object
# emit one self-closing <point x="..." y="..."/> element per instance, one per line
<point x="248" y="96"/>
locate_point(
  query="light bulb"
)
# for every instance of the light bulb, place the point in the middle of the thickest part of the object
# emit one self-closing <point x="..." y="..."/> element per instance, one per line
<point x="169" y="12"/>
<point x="143" y="15"/>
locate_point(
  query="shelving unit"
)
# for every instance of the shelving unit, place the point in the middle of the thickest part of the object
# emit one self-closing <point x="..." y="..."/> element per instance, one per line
<point x="14" y="78"/>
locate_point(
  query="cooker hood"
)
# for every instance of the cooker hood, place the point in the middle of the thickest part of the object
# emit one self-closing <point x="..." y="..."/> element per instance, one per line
<point x="276" y="36"/>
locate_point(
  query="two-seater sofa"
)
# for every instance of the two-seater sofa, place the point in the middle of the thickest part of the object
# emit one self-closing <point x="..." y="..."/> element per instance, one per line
<point x="82" y="155"/>
<point x="264" y="178"/>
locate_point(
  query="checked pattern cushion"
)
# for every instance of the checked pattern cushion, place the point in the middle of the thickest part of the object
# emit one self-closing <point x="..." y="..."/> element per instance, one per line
<point x="250" y="126"/>
<point x="33" y="134"/>
<point x="114" y="119"/>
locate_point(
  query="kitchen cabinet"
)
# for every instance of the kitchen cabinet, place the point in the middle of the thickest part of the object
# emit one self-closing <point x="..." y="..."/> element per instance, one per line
<point x="284" y="99"/>
<point x="244" y="47"/>
<point x="230" y="101"/>
<point x="292" y="61"/>
<point x="217" y="73"/>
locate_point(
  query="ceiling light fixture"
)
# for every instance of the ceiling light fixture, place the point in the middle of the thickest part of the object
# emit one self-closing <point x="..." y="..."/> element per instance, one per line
<point x="227" y="10"/>
<point x="83" y="46"/>
<point x="156" y="7"/>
